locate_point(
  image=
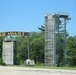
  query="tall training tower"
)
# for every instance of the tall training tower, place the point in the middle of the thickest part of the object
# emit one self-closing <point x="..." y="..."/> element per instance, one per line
<point x="50" y="40"/>
<point x="52" y="23"/>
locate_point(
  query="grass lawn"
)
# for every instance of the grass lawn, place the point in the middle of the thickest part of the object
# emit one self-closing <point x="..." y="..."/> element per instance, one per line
<point x="48" y="67"/>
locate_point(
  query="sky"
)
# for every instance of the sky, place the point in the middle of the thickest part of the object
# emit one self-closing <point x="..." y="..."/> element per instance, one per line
<point x="28" y="15"/>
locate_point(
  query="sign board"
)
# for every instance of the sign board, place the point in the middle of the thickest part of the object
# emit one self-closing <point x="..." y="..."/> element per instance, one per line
<point x="14" y="33"/>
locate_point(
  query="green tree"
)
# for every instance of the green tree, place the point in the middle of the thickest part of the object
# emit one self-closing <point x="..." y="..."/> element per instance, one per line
<point x="37" y="47"/>
<point x="21" y="49"/>
<point x="71" y="51"/>
<point x="42" y="28"/>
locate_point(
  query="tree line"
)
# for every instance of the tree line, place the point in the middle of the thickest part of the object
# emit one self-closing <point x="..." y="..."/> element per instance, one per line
<point x="36" y="49"/>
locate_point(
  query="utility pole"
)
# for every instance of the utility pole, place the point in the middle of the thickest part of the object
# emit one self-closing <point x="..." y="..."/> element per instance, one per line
<point x="28" y="46"/>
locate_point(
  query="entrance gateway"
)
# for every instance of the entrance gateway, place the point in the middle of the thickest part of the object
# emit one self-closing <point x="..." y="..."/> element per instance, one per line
<point x="9" y="51"/>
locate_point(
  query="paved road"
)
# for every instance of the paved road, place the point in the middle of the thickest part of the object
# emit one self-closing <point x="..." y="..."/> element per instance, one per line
<point x="7" y="70"/>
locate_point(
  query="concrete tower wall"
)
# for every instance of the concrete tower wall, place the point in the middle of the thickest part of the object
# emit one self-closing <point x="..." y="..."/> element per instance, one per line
<point x="49" y="40"/>
<point x="8" y="53"/>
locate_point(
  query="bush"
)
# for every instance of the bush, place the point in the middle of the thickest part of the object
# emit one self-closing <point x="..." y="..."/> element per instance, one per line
<point x="1" y="62"/>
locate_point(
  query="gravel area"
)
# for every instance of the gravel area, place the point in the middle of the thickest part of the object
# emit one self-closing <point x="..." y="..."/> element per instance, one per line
<point x="8" y="70"/>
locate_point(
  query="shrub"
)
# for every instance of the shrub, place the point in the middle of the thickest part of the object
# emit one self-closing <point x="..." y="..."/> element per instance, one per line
<point x="1" y="62"/>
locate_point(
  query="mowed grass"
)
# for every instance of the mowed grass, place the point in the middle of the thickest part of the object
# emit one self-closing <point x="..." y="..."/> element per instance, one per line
<point x="49" y="67"/>
<point x="45" y="67"/>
